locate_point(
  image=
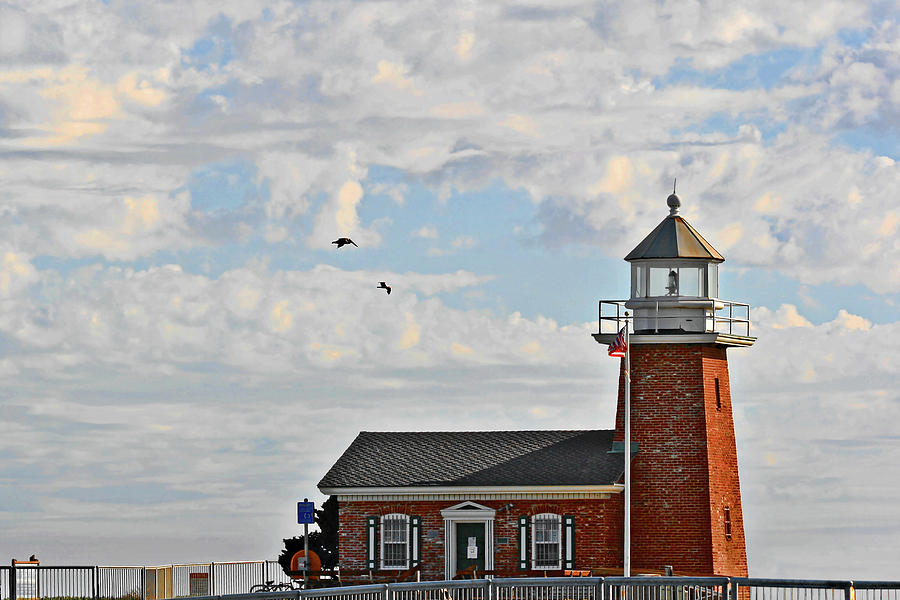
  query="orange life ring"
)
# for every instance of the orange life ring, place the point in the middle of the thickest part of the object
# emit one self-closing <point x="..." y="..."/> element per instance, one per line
<point x="315" y="564"/>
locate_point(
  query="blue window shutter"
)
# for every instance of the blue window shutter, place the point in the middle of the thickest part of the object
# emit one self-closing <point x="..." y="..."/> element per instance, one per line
<point x="415" y="540"/>
<point x="569" y="522"/>
<point x="371" y="542"/>
<point x="523" y="543"/>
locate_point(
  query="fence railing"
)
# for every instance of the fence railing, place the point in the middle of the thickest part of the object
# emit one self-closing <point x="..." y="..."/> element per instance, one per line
<point x="131" y="583"/>
<point x="599" y="588"/>
<point x="36" y="582"/>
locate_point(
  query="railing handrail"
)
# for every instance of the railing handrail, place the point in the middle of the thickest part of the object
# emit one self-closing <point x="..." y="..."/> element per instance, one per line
<point x="876" y="585"/>
<point x="797" y="583"/>
<point x="544" y="581"/>
<point x="356" y="590"/>
<point x="667" y="580"/>
<point x="430" y="585"/>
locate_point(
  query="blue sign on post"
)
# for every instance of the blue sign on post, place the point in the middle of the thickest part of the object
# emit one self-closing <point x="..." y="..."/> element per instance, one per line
<point x="306" y="513"/>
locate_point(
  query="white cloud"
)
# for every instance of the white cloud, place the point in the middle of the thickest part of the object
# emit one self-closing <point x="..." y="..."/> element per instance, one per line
<point x="464" y="45"/>
<point x="425" y="232"/>
<point x="785" y="317"/>
<point x="520" y="123"/>
<point x="395" y="75"/>
<point x="463" y="241"/>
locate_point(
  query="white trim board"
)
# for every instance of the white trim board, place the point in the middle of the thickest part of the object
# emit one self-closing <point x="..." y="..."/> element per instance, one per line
<point x="485" y="492"/>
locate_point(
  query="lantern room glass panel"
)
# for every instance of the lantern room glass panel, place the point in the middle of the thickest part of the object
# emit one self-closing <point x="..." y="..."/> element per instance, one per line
<point x="638" y="281"/>
<point x="689" y="280"/>
<point x="712" y="280"/>
<point x="659" y="281"/>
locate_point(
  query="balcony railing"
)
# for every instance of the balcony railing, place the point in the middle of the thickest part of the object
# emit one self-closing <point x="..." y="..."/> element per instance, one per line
<point x="728" y="317"/>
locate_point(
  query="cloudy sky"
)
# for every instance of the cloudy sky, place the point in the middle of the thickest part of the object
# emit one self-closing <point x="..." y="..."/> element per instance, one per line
<point x="183" y="352"/>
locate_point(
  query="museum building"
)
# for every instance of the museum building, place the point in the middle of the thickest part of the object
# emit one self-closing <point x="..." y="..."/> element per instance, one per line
<point x="536" y="503"/>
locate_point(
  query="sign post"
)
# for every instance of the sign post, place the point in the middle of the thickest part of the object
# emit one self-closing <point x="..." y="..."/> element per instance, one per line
<point x="306" y="514"/>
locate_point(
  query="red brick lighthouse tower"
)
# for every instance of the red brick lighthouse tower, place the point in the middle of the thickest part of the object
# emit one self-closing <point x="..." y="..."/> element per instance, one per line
<point x="685" y="491"/>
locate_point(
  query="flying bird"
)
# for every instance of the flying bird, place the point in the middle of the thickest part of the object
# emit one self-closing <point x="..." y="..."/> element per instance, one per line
<point x="343" y="242"/>
<point x="383" y="285"/>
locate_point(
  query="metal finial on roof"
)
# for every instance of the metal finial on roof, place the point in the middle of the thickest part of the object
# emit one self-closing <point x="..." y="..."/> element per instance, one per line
<point x="673" y="201"/>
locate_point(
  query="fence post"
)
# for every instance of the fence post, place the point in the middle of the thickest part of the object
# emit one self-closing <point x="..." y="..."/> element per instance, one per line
<point x="12" y="580"/>
<point x="95" y="580"/>
<point x="849" y="592"/>
<point x="212" y="579"/>
<point x="143" y="583"/>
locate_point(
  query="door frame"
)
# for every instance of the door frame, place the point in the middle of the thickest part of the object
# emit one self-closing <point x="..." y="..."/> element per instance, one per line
<point x="467" y="512"/>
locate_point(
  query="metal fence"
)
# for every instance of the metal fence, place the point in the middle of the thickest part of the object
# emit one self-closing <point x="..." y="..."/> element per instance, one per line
<point x="39" y="582"/>
<point x="791" y="589"/>
<point x="599" y="588"/>
<point x="232" y="581"/>
<point x="566" y="588"/>
<point x="876" y="590"/>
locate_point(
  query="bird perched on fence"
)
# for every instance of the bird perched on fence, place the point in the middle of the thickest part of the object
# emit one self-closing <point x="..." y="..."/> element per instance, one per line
<point x="32" y="558"/>
<point x="383" y="285"/>
<point x="343" y="242"/>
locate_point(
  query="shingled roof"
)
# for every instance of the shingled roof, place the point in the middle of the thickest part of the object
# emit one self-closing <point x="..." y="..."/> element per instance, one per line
<point x="476" y="458"/>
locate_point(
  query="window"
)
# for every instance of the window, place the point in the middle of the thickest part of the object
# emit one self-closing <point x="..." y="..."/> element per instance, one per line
<point x="546" y="549"/>
<point x="395" y="542"/>
<point x="727" y="512"/>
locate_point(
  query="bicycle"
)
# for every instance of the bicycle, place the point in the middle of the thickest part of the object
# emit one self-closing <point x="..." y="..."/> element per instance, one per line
<point x="271" y="586"/>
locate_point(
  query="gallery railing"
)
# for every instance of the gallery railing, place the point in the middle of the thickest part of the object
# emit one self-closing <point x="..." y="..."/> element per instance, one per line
<point x="728" y="317"/>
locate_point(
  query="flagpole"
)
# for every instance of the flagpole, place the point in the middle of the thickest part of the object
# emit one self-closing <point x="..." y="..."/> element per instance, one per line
<point x="627" y="558"/>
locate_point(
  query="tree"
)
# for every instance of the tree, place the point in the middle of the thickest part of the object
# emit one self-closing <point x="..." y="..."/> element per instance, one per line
<point x="323" y="542"/>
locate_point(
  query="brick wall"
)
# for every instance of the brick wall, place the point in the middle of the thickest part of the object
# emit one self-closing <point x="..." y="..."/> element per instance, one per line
<point x="685" y="472"/>
<point x="598" y="531"/>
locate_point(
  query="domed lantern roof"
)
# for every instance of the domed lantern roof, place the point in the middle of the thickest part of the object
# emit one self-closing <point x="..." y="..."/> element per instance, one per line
<point x="674" y="238"/>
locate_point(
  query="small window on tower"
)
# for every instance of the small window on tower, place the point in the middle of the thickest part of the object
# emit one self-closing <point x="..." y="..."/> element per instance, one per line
<point x="718" y="396"/>
<point x="727" y="522"/>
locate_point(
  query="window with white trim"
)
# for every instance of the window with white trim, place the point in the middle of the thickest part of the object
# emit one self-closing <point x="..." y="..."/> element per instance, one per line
<point x="546" y="546"/>
<point x="395" y="541"/>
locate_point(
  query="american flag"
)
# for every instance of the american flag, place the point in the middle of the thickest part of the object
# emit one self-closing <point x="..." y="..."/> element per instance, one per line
<point x="618" y="347"/>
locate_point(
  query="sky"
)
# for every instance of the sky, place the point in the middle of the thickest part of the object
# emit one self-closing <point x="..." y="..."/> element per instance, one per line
<point x="184" y="353"/>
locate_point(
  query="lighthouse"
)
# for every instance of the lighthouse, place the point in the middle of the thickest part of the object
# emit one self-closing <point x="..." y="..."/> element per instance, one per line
<point x="685" y="500"/>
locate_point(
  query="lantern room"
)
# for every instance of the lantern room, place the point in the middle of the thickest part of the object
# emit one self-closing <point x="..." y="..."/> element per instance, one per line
<point x="675" y="290"/>
<point x="674" y="277"/>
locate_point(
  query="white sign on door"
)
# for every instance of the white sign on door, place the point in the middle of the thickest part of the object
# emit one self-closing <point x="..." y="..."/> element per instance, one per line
<point x="472" y="548"/>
